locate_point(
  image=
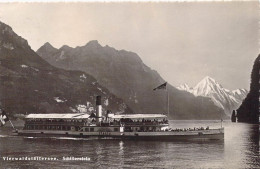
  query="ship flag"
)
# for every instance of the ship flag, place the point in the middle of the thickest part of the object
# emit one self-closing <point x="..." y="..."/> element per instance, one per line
<point x="3" y="118"/>
<point x="162" y="86"/>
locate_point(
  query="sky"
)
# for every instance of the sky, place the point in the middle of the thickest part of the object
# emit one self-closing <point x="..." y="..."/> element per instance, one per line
<point x="182" y="41"/>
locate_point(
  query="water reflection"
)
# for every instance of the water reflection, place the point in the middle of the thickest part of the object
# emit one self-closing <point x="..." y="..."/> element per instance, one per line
<point x="252" y="153"/>
<point x="121" y="153"/>
<point x="241" y="145"/>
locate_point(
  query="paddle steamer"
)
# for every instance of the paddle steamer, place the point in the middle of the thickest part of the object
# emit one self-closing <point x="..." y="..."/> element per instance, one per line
<point x="119" y="126"/>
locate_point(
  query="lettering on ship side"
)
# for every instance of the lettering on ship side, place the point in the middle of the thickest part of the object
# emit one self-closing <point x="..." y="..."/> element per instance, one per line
<point x="102" y="133"/>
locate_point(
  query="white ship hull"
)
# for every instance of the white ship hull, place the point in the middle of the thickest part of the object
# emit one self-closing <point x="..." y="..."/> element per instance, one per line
<point x="211" y="134"/>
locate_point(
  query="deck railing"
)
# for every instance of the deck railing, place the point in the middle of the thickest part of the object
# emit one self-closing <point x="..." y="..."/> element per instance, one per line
<point x="93" y="123"/>
<point x="54" y="123"/>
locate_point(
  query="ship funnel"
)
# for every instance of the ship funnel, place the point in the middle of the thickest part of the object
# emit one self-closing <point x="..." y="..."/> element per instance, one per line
<point x="99" y="109"/>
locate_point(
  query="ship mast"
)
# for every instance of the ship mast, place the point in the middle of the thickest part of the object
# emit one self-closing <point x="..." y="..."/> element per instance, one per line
<point x="168" y="102"/>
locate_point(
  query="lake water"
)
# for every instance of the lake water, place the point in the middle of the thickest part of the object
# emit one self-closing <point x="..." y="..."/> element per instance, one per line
<point x="239" y="149"/>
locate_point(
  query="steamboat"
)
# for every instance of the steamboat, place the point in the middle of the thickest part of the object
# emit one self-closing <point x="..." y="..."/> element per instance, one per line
<point x="115" y="126"/>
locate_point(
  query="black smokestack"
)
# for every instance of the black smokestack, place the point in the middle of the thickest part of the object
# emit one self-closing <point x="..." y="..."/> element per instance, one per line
<point x="98" y="100"/>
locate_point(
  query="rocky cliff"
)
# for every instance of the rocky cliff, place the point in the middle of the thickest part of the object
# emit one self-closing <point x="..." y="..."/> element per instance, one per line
<point x="249" y="110"/>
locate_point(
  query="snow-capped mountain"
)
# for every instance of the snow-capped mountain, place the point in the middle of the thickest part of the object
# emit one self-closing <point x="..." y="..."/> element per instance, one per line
<point x="185" y="87"/>
<point x="240" y="93"/>
<point x="223" y="98"/>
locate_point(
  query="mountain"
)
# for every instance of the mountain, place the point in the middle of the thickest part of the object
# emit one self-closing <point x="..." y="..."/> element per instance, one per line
<point x="240" y="93"/>
<point x="223" y="98"/>
<point x="125" y="75"/>
<point x="30" y="84"/>
<point x="185" y="87"/>
<point x="249" y="109"/>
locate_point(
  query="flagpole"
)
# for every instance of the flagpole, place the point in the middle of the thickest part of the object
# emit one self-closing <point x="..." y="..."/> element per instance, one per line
<point x="164" y="86"/>
<point x="168" y="106"/>
<point x="12" y="124"/>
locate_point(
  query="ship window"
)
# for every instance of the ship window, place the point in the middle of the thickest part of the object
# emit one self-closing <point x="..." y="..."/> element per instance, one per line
<point x="115" y="129"/>
<point x="68" y="128"/>
<point x="91" y="129"/>
<point x="128" y="129"/>
<point x="63" y="128"/>
<point x="87" y="129"/>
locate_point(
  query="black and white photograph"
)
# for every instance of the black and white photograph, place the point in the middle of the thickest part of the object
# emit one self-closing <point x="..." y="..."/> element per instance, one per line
<point x="129" y="84"/>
